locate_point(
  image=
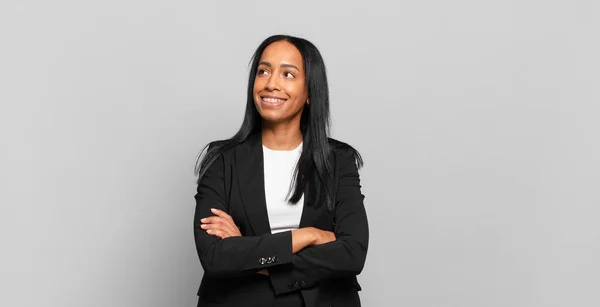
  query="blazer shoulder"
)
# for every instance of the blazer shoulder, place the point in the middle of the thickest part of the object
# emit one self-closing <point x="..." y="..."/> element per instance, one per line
<point x="225" y="148"/>
<point x="345" y="151"/>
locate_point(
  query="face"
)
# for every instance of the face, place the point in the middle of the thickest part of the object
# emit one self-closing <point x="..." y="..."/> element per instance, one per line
<point x="280" y="91"/>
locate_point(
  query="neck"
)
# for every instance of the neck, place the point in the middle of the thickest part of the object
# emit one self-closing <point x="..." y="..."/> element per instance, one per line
<point x="281" y="136"/>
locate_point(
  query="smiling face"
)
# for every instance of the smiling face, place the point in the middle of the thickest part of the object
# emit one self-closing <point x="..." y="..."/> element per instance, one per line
<point x="280" y="91"/>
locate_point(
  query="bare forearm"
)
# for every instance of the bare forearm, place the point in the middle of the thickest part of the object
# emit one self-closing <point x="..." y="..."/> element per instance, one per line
<point x="302" y="238"/>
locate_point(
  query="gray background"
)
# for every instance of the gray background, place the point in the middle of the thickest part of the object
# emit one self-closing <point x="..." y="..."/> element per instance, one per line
<point x="478" y="121"/>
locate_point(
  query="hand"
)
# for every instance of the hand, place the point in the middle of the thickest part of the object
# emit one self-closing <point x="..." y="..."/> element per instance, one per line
<point x="263" y="272"/>
<point x="307" y="236"/>
<point x="322" y="236"/>
<point x="221" y="225"/>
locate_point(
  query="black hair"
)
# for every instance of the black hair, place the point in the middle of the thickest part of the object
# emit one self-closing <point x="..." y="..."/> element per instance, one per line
<point x="313" y="170"/>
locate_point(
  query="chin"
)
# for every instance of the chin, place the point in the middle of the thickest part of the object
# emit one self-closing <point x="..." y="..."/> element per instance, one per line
<point x="272" y="119"/>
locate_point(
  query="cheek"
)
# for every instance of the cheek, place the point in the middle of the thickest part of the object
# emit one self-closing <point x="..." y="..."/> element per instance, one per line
<point x="298" y="92"/>
<point x="256" y="86"/>
<point x="256" y="89"/>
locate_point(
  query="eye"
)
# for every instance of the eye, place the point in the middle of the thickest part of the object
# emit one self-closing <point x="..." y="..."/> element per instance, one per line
<point x="261" y="72"/>
<point x="288" y="74"/>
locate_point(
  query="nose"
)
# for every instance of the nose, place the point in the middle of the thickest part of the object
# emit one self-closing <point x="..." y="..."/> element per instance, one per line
<point x="273" y="83"/>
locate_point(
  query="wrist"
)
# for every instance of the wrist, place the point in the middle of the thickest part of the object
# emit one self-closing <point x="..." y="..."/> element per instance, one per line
<point x="308" y="235"/>
<point x="313" y="235"/>
<point x="303" y="238"/>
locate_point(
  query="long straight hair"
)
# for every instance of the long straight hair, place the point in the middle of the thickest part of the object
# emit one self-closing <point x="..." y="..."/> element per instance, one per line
<point x="313" y="171"/>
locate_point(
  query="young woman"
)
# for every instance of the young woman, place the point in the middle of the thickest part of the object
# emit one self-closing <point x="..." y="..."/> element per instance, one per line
<point x="279" y="217"/>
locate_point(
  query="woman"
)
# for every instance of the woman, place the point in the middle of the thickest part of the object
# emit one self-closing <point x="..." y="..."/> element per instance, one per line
<point x="279" y="217"/>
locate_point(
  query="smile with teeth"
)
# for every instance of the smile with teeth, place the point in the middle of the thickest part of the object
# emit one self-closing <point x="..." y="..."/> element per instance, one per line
<point x="273" y="100"/>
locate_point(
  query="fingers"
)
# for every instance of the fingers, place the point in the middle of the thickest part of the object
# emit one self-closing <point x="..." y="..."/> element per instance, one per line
<point x="221" y="213"/>
<point x="218" y="233"/>
<point x="217" y="222"/>
<point x="215" y="227"/>
<point x="330" y="236"/>
<point x="263" y="272"/>
<point x="214" y="220"/>
<point x="221" y="225"/>
<point x="228" y="219"/>
<point x="217" y="230"/>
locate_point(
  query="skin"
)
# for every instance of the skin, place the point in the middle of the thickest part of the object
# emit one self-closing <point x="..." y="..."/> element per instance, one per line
<point x="280" y="75"/>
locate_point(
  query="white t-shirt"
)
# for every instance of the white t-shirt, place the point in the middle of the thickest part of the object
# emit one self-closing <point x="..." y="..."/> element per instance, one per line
<point x="279" y="170"/>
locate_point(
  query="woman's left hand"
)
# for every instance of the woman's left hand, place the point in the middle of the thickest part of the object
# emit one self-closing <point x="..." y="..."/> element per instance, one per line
<point x="221" y="225"/>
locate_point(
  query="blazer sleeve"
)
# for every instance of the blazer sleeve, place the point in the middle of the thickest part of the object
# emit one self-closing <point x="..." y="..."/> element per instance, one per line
<point x="341" y="258"/>
<point x="234" y="256"/>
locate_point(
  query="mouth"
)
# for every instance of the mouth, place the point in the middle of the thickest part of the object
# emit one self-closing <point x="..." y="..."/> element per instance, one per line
<point x="271" y="100"/>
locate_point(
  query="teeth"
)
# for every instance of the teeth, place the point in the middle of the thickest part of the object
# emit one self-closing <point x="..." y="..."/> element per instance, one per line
<point x="273" y="100"/>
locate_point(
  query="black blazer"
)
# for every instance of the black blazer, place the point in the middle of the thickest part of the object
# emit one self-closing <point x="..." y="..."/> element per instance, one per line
<point x="323" y="275"/>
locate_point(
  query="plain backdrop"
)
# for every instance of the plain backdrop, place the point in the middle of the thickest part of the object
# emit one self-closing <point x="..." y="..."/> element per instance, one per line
<point x="478" y="122"/>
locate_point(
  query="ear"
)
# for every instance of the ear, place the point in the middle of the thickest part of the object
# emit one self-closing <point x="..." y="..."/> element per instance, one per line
<point x="307" y="101"/>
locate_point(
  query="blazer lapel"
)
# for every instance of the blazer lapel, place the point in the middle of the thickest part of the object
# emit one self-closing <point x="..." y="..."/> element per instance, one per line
<point x="250" y="167"/>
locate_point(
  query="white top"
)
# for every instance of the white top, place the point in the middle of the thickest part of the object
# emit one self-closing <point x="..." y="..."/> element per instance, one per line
<point x="279" y="170"/>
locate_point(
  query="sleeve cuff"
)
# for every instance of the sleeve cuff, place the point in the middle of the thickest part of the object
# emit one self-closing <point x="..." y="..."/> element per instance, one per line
<point x="286" y="278"/>
<point x="280" y="247"/>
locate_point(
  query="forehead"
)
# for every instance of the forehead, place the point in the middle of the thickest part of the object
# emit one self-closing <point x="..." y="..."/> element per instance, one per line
<point x="282" y="52"/>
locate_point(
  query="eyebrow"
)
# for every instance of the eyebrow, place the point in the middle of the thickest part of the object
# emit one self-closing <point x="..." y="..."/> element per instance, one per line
<point x="282" y="65"/>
